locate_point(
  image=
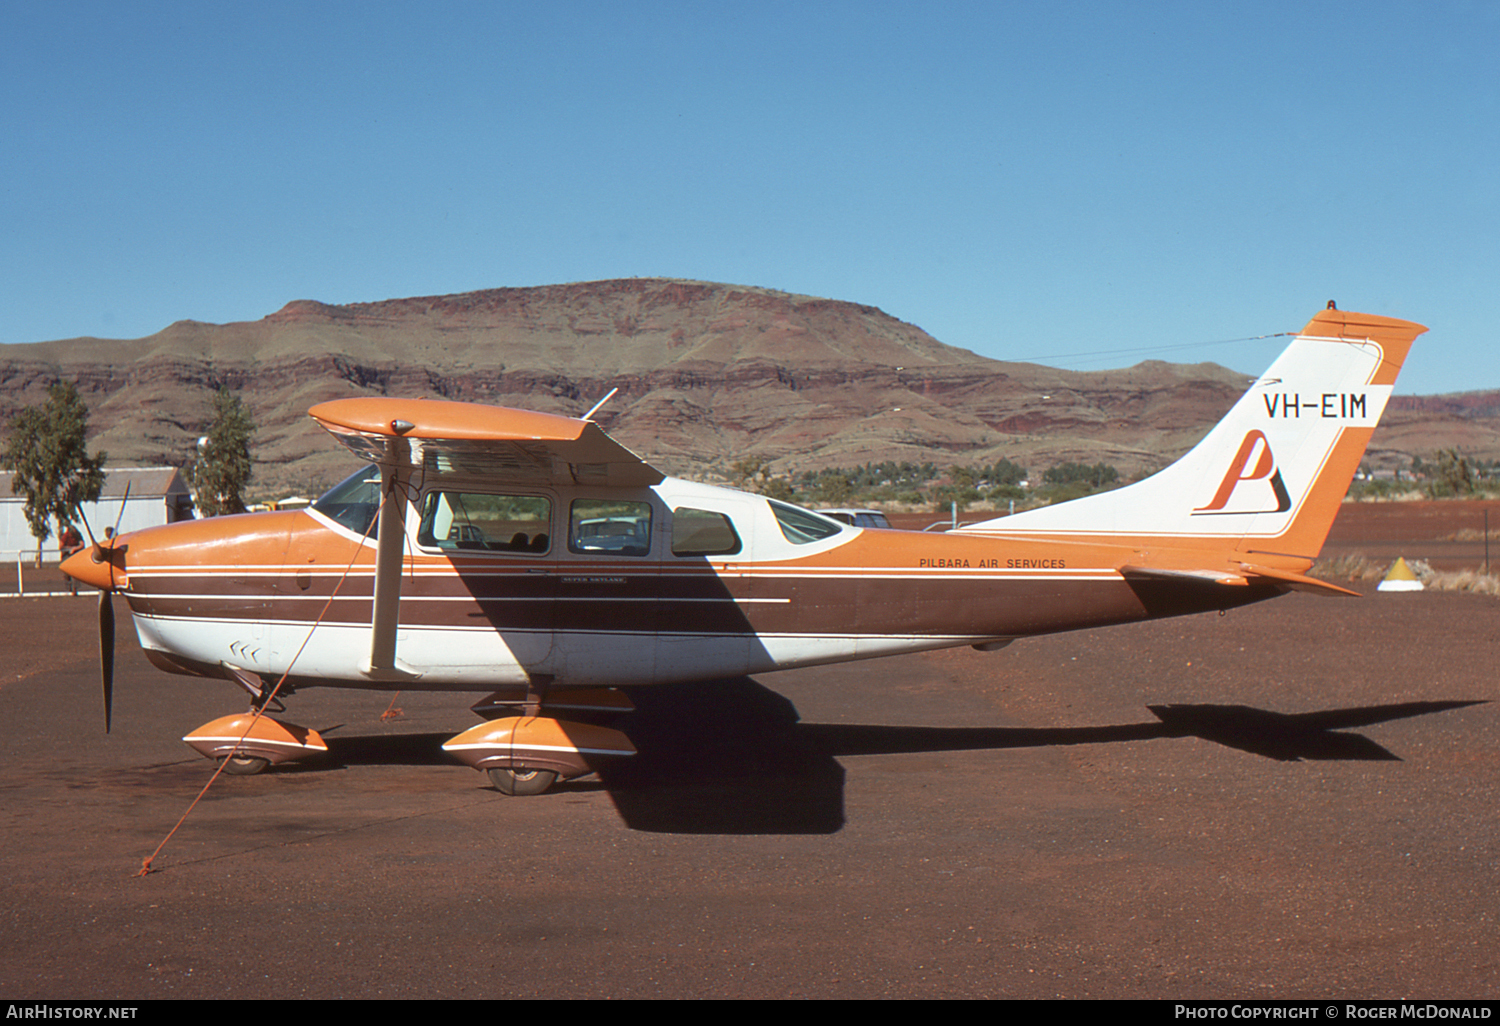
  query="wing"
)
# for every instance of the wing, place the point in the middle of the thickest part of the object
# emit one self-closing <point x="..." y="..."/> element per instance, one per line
<point x="402" y="435"/>
<point x="493" y="441"/>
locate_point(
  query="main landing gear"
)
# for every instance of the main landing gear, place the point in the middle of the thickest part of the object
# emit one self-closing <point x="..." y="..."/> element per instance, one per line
<point x="522" y="782"/>
<point x="525" y="752"/>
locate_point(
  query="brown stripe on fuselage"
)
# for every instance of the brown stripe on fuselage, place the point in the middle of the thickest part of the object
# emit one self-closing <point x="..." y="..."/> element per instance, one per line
<point x="647" y="603"/>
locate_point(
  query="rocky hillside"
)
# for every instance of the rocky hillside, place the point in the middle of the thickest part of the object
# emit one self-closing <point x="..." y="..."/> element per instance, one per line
<point x="707" y="374"/>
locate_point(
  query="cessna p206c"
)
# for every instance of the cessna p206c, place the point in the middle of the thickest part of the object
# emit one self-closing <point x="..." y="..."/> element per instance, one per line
<point x="531" y="558"/>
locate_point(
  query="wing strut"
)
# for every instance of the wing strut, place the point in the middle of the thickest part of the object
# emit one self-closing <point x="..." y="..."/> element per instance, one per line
<point x="395" y="476"/>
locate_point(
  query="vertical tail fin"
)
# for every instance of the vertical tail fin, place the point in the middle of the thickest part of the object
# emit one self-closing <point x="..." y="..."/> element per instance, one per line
<point x="1273" y="472"/>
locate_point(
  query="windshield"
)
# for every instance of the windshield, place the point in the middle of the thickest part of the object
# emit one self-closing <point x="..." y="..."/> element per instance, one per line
<point x="802" y="526"/>
<point x="354" y="501"/>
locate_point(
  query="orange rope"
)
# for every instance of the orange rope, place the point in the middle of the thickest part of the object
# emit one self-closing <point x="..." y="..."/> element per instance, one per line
<point x="146" y="862"/>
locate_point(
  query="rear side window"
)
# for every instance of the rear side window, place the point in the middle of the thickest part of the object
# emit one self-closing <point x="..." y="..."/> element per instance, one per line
<point x="802" y="527"/>
<point x="608" y="527"/>
<point x="702" y="532"/>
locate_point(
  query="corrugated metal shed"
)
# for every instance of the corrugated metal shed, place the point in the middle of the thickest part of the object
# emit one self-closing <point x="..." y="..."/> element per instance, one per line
<point x="157" y="495"/>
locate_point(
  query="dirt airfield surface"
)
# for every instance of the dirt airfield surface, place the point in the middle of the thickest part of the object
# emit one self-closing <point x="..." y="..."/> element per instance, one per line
<point x="1294" y="800"/>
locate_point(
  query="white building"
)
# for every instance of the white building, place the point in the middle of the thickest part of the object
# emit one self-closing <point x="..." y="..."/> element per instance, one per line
<point x="157" y="495"/>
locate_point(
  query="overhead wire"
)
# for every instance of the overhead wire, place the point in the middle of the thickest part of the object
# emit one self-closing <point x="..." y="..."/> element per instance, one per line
<point x="1052" y="358"/>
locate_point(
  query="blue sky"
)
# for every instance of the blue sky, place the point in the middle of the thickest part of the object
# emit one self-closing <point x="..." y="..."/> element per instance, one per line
<point x="1026" y="180"/>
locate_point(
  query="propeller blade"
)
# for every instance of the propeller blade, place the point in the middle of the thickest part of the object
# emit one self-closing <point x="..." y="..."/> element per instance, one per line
<point x="78" y="508"/>
<point x="107" y="651"/>
<point x="121" y="516"/>
<point x="112" y="535"/>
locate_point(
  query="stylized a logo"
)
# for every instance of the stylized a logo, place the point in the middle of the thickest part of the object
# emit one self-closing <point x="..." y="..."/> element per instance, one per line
<point x="1253" y="462"/>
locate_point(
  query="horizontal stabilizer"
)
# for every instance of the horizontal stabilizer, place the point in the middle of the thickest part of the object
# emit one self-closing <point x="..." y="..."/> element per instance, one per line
<point x="1299" y="582"/>
<point x="1151" y="573"/>
<point x="1246" y="575"/>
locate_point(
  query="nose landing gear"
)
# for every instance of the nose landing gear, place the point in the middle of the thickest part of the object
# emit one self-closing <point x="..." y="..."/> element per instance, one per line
<point x="250" y="749"/>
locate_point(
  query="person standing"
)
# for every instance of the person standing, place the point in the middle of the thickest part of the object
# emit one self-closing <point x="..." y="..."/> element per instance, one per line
<point x="68" y="543"/>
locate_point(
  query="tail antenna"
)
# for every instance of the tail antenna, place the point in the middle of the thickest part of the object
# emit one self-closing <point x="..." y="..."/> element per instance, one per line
<point x="590" y="415"/>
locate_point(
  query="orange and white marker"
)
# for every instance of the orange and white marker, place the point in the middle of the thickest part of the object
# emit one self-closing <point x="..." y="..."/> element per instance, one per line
<point x="1400" y="578"/>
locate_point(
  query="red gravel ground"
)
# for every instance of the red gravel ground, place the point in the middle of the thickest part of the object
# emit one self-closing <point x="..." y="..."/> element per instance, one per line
<point x="1296" y="799"/>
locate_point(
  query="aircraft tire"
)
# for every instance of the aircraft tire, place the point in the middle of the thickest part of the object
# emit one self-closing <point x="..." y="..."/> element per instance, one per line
<point x="245" y="765"/>
<point x="522" y="783"/>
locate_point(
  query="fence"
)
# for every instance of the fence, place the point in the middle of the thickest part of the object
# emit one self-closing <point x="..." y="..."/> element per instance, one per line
<point x="20" y="574"/>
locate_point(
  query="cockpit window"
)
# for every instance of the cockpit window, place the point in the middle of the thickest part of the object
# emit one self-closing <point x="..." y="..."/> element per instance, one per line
<point x="480" y="522"/>
<point x="354" y="502"/>
<point x="701" y="532"/>
<point x="802" y="527"/>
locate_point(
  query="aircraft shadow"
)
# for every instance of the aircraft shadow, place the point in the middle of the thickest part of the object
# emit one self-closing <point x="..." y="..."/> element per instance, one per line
<point x="381" y="750"/>
<point x="734" y="758"/>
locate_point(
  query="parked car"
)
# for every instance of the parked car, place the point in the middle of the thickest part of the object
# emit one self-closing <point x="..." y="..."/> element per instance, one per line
<point x="857" y="517"/>
<point x="625" y="536"/>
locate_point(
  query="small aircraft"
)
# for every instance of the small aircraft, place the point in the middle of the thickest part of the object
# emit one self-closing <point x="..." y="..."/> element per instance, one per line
<point x="531" y="558"/>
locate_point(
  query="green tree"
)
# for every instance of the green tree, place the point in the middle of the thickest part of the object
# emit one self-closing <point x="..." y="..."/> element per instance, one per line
<point x="748" y="471"/>
<point x="223" y="466"/>
<point x="834" y="488"/>
<point x="754" y="474"/>
<point x="1451" y="476"/>
<point x="53" y="470"/>
<point x="1095" y="475"/>
<point x="778" y="488"/>
<point x="962" y="477"/>
<point x="1004" y="473"/>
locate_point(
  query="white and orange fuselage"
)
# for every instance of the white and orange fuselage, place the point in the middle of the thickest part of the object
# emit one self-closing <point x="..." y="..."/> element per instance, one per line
<point x="247" y="591"/>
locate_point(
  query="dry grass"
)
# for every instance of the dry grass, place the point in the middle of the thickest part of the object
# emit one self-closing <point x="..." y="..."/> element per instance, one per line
<point x="1464" y="580"/>
<point x="1357" y="567"/>
<point x="1471" y="534"/>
